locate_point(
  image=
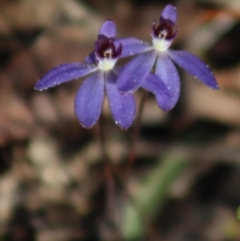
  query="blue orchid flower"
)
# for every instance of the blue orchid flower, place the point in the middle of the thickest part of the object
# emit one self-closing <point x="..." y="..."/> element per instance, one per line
<point x="100" y="68"/>
<point x="154" y="64"/>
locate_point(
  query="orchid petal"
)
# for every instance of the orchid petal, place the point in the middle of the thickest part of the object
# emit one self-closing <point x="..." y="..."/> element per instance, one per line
<point x="122" y="106"/>
<point x="194" y="66"/>
<point x="90" y="59"/>
<point x="132" y="46"/>
<point x="167" y="72"/>
<point x="135" y="71"/>
<point x="169" y="13"/>
<point x="63" y="73"/>
<point x="155" y="85"/>
<point x="117" y="69"/>
<point x="108" y="29"/>
<point x="89" y="99"/>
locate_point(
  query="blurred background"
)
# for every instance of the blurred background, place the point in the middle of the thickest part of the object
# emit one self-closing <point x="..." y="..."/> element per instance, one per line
<point x="185" y="183"/>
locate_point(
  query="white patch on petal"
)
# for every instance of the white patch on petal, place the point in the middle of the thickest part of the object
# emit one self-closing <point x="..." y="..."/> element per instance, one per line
<point x="161" y="44"/>
<point x="106" y="64"/>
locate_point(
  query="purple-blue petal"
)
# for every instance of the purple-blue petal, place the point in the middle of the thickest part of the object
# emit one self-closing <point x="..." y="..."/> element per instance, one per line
<point x="108" y="29"/>
<point x="167" y="72"/>
<point x="194" y="66"/>
<point x="132" y="46"/>
<point x="155" y="85"/>
<point x="169" y="13"/>
<point x="90" y="59"/>
<point x="122" y="106"/>
<point x="117" y="69"/>
<point x="63" y="73"/>
<point x="135" y="71"/>
<point x="89" y="99"/>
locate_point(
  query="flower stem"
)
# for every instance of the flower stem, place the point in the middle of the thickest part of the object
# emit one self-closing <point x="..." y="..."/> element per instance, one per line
<point x="108" y="173"/>
<point x="132" y="154"/>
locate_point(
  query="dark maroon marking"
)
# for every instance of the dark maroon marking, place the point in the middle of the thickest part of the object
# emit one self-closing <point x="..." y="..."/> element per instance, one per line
<point x="164" y="29"/>
<point x="107" y="49"/>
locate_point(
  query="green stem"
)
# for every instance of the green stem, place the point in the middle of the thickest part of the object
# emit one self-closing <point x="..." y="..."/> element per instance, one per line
<point x="151" y="196"/>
